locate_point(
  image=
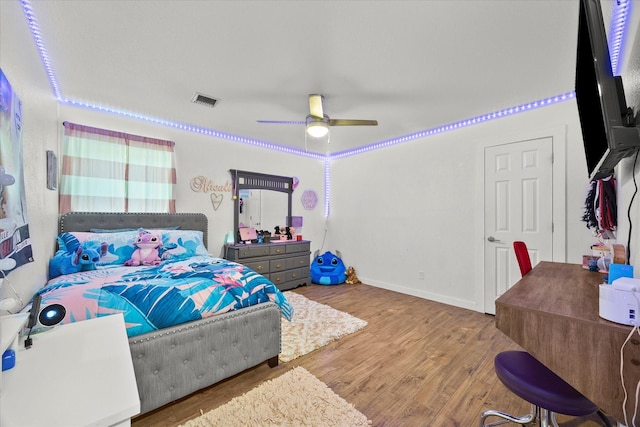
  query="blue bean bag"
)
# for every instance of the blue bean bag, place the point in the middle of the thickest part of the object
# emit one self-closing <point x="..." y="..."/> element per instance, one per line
<point x="328" y="269"/>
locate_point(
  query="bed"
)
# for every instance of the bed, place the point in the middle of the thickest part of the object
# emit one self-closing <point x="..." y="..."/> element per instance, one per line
<point x="217" y="333"/>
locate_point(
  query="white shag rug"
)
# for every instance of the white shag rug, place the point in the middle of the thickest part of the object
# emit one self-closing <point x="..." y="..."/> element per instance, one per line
<point x="296" y="398"/>
<point x="313" y="325"/>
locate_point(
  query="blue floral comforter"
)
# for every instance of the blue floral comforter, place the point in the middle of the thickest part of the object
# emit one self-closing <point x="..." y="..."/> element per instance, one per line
<point x="157" y="297"/>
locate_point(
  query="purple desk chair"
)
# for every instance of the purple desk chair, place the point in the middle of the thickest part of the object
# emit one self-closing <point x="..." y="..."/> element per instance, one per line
<point x="529" y="379"/>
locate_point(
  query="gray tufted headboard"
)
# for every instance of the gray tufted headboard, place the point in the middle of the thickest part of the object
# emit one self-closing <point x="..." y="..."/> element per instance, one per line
<point x="84" y="221"/>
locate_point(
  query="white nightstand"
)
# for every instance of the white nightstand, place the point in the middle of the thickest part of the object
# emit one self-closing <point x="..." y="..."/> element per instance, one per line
<point x="78" y="374"/>
<point x="10" y="326"/>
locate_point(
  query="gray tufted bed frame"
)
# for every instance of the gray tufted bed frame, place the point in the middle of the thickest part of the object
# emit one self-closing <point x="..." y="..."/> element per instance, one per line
<point x="172" y="363"/>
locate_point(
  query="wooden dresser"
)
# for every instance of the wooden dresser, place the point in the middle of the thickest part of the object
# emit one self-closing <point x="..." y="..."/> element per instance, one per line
<point x="285" y="263"/>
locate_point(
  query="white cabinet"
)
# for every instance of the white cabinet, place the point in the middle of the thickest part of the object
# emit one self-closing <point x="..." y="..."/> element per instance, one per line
<point x="79" y="374"/>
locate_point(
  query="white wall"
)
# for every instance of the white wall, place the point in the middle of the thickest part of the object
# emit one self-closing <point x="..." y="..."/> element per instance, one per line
<point x="394" y="212"/>
<point x="631" y="79"/>
<point x="212" y="158"/>
<point x="196" y="155"/>
<point x="418" y="207"/>
<point x="24" y="71"/>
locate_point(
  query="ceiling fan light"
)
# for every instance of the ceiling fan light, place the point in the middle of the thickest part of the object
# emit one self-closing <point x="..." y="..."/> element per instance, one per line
<point x="317" y="128"/>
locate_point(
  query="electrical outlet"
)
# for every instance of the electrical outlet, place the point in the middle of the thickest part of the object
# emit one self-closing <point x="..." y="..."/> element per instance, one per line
<point x="421" y="275"/>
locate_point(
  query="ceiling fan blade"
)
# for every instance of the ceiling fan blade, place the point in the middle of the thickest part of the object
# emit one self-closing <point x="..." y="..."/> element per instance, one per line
<point x="350" y="122"/>
<point x="315" y="106"/>
<point x="281" y="122"/>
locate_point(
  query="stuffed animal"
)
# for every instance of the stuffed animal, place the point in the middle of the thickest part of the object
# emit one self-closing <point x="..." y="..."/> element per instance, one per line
<point x="352" y="279"/>
<point x="73" y="257"/>
<point x="147" y="249"/>
<point x="327" y="269"/>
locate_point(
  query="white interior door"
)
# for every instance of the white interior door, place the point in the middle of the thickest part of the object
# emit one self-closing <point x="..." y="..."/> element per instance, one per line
<point x="518" y="206"/>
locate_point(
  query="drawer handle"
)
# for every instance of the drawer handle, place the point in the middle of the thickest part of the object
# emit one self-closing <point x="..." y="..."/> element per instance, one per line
<point x="278" y="279"/>
<point x="294" y="275"/>
<point x="259" y="268"/>
<point x="301" y="262"/>
<point x="278" y="265"/>
<point x="278" y="251"/>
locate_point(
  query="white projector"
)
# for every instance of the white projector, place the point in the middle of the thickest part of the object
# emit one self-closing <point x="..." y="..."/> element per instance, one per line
<point x="620" y="301"/>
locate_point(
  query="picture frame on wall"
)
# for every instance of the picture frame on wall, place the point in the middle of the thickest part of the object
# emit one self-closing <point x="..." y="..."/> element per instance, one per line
<point x="52" y="170"/>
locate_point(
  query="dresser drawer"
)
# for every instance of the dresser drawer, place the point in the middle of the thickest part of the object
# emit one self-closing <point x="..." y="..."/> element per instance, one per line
<point x="261" y="267"/>
<point x="298" y="262"/>
<point x="278" y="249"/>
<point x="252" y="251"/>
<point x="298" y="247"/>
<point x="285" y="263"/>
<point x="297" y="274"/>
<point x="278" y="278"/>
<point x="276" y="265"/>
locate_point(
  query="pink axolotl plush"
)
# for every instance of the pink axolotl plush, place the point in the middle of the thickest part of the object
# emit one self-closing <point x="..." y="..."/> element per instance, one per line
<point x="146" y="252"/>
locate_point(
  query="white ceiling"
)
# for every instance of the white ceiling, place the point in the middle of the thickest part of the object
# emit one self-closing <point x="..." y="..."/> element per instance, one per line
<point x="411" y="65"/>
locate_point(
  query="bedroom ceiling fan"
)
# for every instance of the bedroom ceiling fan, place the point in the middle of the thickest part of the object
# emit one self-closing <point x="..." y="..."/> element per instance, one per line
<point x="317" y="122"/>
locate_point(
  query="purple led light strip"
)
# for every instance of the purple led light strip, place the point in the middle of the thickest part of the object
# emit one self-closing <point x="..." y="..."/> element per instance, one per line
<point x="618" y="23"/>
<point x="327" y="187"/>
<point x="44" y="56"/>
<point x="195" y="129"/>
<point x="456" y="125"/>
<point x="617" y="33"/>
<point x="616" y="41"/>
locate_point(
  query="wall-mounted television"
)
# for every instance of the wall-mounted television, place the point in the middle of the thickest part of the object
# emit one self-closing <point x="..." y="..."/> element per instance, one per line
<point x="608" y="131"/>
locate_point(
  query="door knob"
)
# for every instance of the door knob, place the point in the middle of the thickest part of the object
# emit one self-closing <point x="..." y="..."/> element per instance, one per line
<point x="493" y="239"/>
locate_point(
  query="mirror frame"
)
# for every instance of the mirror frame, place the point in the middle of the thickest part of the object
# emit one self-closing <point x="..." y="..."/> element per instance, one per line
<point x="243" y="180"/>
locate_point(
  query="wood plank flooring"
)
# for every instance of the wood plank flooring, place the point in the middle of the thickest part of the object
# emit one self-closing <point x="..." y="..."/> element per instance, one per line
<point x="416" y="363"/>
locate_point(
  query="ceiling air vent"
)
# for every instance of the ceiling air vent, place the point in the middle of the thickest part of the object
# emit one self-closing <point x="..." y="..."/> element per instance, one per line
<point x="199" y="98"/>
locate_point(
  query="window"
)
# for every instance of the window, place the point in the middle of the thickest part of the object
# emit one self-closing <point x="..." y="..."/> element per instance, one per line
<point x="107" y="171"/>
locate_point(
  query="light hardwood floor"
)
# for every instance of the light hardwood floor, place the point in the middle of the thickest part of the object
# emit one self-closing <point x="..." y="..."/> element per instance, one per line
<point x="416" y="363"/>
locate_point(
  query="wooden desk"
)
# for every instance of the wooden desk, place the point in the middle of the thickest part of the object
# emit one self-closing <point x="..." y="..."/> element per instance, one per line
<point x="553" y="314"/>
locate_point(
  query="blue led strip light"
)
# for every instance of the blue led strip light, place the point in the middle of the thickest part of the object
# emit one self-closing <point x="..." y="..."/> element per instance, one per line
<point x="327" y="187"/>
<point x="195" y="129"/>
<point x="456" y="125"/>
<point x="618" y="22"/>
<point x="44" y="56"/>
<point x="616" y="44"/>
<point x="617" y="32"/>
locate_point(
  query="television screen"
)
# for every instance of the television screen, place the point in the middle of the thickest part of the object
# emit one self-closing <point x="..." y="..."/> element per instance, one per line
<point x="600" y="97"/>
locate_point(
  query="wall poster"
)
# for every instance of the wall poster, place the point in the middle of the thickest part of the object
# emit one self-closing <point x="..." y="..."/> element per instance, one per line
<point x="15" y="244"/>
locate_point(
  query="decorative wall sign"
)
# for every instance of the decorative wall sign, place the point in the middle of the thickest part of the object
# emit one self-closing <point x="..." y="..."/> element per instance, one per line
<point x="216" y="200"/>
<point x="309" y="199"/>
<point x="202" y="184"/>
<point x="205" y="185"/>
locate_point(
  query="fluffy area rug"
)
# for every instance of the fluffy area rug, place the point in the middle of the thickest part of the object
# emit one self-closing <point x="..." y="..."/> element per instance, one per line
<point x="296" y="398"/>
<point x="313" y="325"/>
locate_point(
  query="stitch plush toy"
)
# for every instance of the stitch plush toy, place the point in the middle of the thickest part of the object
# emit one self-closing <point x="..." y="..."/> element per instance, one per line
<point x="327" y="269"/>
<point x="147" y="249"/>
<point x="73" y="257"/>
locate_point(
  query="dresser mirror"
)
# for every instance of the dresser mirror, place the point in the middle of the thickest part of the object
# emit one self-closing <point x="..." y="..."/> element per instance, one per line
<point x="262" y="209"/>
<point x="261" y="201"/>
